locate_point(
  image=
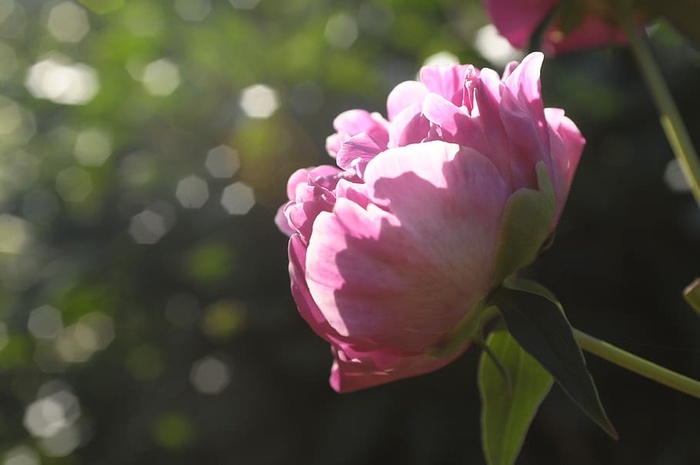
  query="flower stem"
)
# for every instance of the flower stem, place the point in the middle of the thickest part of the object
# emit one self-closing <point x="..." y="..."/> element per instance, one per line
<point x="671" y="121"/>
<point x="637" y="364"/>
<point x="692" y="295"/>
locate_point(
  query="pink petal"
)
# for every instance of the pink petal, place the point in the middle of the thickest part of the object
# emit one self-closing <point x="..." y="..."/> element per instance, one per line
<point x="351" y="374"/>
<point x="382" y="275"/>
<point x="301" y="216"/>
<point x="408" y="127"/>
<point x="298" y="177"/>
<point x="522" y="114"/>
<point x="360" y="147"/>
<point x="566" y="146"/>
<point x="281" y="220"/>
<point x="489" y="87"/>
<point x="355" y="192"/>
<point x="300" y="291"/>
<point x="524" y="80"/>
<point x="351" y="123"/>
<point x="443" y="113"/>
<point x="310" y="192"/>
<point x="591" y="33"/>
<point x="446" y="81"/>
<point x="405" y="94"/>
<point x="516" y="20"/>
<point x="333" y="143"/>
<point x="493" y="141"/>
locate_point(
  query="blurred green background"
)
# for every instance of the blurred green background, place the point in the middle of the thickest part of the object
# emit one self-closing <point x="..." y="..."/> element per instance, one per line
<point x="145" y="316"/>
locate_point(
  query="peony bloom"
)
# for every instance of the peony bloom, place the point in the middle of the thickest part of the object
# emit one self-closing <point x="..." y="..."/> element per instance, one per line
<point x="517" y="21"/>
<point x="393" y="253"/>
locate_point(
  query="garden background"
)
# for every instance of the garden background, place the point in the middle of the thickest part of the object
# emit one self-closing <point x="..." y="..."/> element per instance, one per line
<point x="145" y="314"/>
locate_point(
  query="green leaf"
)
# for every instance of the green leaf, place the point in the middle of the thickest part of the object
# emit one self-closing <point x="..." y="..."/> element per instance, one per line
<point x="538" y="323"/>
<point x="682" y="14"/>
<point x="508" y="404"/>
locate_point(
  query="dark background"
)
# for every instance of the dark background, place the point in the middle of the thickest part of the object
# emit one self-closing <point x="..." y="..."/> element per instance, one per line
<point x="143" y="323"/>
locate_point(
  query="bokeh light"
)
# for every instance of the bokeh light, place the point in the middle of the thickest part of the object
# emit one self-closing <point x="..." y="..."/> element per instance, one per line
<point x="48" y="415"/>
<point x="74" y="184"/>
<point x="210" y="375"/>
<point x="15" y="234"/>
<point x="147" y="227"/>
<point x="192" y="192"/>
<point x="93" y="146"/>
<point x="341" y="31"/>
<point x="259" y="101"/>
<point x="222" y="161"/>
<point x="675" y="178"/>
<point x="238" y="198"/>
<point x="223" y="319"/>
<point x="17" y="125"/>
<point x="494" y="47"/>
<point x="57" y="79"/>
<point x="45" y="322"/>
<point x="63" y="443"/>
<point x="441" y="58"/>
<point x="68" y="22"/>
<point x="161" y="77"/>
<point x="193" y="10"/>
<point x="21" y="455"/>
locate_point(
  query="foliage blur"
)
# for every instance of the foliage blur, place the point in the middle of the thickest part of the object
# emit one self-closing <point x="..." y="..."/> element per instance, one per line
<point x="145" y="315"/>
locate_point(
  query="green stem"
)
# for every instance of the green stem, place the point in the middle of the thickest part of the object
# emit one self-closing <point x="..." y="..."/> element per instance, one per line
<point x="671" y="121"/>
<point x="638" y="365"/>
<point x="692" y="295"/>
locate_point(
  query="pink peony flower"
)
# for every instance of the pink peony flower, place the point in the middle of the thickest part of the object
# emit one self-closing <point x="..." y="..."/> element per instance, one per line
<point x="392" y="255"/>
<point x="517" y="21"/>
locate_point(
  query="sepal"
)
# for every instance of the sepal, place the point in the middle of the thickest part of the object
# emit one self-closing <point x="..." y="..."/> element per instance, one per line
<point x="526" y="225"/>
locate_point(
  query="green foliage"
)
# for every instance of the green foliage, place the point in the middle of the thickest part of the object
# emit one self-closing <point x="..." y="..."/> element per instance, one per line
<point x="512" y="387"/>
<point x="682" y="14"/>
<point x="538" y="324"/>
